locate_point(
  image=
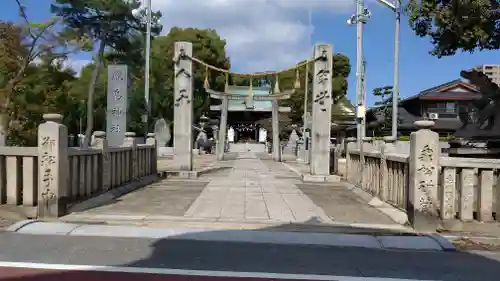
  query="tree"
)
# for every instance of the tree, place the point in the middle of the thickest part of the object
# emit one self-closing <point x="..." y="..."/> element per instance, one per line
<point x="24" y="44"/>
<point x="208" y="46"/>
<point x="455" y="25"/>
<point x="487" y="106"/>
<point x="341" y="70"/>
<point x="45" y="88"/>
<point x="112" y="23"/>
<point x="384" y="106"/>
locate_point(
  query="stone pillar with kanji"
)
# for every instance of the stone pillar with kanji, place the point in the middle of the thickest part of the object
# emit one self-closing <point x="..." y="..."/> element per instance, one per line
<point x="424" y="156"/>
<point x="321" y="110"/>
<point x="53" y="167"/>
<point x="183" y="106"/>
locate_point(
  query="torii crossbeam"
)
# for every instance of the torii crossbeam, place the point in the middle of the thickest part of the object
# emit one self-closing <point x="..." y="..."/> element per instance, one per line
<point x="275" y="109"/>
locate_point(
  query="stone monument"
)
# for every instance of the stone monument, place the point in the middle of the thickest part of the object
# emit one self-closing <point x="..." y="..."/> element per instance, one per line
<point x="183" y="106"/>
<point x="53" y="167"/>
<point x="116" y="114"/>
<point x="291" y="146"/>
<point x="163" y="136"/>
<point x="321" y="111"/>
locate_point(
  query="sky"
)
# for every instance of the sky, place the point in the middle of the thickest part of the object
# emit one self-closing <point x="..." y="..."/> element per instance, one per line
<point x="275" y="34"/>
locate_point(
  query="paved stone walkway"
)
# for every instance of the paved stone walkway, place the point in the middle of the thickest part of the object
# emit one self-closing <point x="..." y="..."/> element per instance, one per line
<point x="255" y="190"/>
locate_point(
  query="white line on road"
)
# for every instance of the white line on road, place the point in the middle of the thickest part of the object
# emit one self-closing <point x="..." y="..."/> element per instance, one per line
<point x="170" y="271"/>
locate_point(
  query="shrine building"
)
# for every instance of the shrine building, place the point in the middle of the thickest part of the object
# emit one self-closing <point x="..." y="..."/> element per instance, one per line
<point x="243" y="115"/>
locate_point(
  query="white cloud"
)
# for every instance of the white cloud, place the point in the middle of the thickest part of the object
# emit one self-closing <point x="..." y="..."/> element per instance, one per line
<point x="261" y="34"/>
<point x="76" y="64"/>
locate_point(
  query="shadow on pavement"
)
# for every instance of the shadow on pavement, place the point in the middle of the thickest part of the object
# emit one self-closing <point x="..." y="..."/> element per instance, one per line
<point x="198" y="251"/>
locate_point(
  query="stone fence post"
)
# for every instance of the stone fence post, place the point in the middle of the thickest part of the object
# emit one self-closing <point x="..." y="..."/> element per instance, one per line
<point x="100" y="142"/>
<point x="423" y="179"/>
<point x="366" y="146"/>
<point x="387" y="147"/>
<point x="131" y="141"/>
<point x="151" y="140"/>
<point x="350" y="143"/>
<point x="53" y="166"/>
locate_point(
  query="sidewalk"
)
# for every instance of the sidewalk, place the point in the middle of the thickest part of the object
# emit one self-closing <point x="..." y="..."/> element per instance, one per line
<point x="263" y="236"/>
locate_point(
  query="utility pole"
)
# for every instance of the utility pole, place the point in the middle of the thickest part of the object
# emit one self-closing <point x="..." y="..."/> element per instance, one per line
<point x="395" y="86"/>
<point x="359" y="66"/>
<point x="362" y="14"/>
<point x="306" y="83"/>
<point x="146" y="67"/>
<point x="363" y="97"/>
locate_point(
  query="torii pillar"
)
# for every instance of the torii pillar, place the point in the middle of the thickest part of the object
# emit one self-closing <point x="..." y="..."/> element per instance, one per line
<point x="276" y="109"/>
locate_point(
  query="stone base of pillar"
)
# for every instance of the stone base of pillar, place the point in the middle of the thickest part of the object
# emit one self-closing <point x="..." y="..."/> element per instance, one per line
<point x="307" y="156"/>
<point x="165" y="151"/>
<point x="423" y="222"/>
<point x="318" y="178"/>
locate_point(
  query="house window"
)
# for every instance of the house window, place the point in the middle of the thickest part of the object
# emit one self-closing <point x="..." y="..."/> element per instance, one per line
<point x="444" y="109"/>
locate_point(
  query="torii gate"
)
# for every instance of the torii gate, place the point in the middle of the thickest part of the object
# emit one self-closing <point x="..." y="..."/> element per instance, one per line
<point x="248" y="101"/>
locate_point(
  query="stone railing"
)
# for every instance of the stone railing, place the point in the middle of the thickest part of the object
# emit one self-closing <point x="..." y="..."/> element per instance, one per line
<point x="467" y="189"/>
<point x="384" y="173"/>
<point x="431" y="188"/>
<point x="52" y="177"/>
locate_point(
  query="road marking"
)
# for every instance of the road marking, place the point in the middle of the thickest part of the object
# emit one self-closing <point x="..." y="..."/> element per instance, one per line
<point x="184" y="272"/>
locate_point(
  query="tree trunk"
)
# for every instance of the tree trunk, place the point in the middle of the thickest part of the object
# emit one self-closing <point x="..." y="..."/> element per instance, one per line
<point x="91" y="93"/>
<point x="4" y="127"/>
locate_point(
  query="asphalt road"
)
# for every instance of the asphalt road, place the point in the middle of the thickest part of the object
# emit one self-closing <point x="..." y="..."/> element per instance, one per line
<point x="151" y="256"/>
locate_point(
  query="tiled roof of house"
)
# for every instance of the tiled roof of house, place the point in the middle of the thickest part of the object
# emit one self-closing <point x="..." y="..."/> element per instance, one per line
<point x="443" y="92"/>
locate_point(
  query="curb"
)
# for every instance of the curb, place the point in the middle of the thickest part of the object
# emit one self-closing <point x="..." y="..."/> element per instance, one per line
<point x="20" y="224"/>
<point x="111" y="194"/>
<point x="420" y="243"/>
<point x="390" y="211"/>
<point x="443" y="242"/>
<point x="190" y="174"/>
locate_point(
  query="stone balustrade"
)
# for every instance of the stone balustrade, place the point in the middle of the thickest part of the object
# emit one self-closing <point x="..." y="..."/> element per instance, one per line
<point x="431" y="188"/>
<point x="385" y="174"/>
<point x="47" y="179"/>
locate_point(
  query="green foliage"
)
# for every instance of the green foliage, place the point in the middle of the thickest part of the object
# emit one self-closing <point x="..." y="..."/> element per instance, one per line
<point x="44" y="89"/>
<point x="341" y="70"/>
<point x="112" y="21"/>
<point x="455" y="25"/>
<point x="113" y="24"/>
<point x="208" y="46"/>
<point x="23" y="44"/>
<point x="487" y="106"/>
<point x="384" y="106"/>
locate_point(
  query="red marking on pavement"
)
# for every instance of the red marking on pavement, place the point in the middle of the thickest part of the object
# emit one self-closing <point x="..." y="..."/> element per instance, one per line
<point x="28" y="274"/>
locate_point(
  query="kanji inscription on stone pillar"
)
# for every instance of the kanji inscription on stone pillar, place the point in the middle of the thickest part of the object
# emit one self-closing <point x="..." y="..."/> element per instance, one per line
<point x="321" y="110"/>
<point x="183" y="107"/>
<point x="117" y="101"/>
